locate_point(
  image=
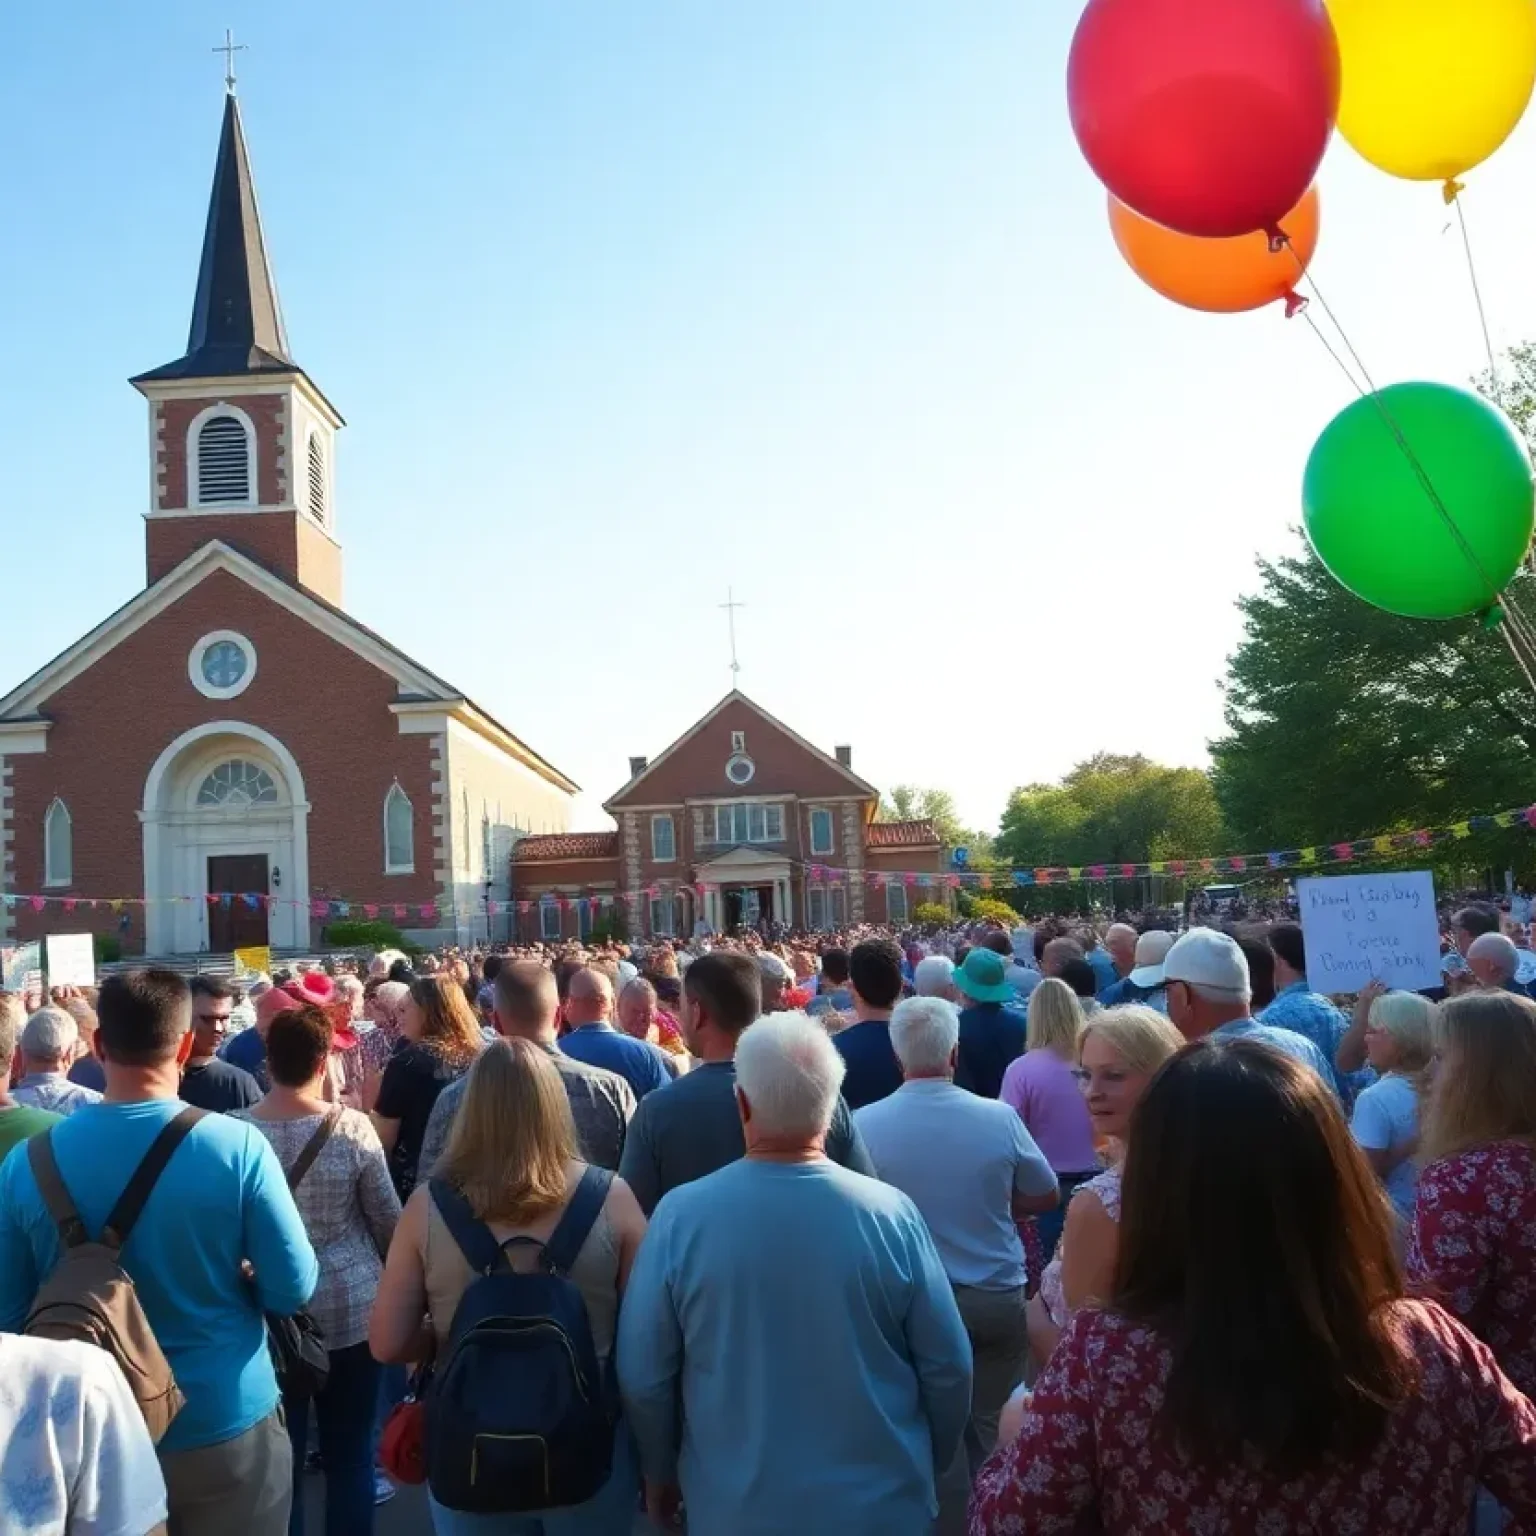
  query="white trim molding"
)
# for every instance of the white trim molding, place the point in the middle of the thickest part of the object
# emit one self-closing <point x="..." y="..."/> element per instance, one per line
<point x="195" y="656"/>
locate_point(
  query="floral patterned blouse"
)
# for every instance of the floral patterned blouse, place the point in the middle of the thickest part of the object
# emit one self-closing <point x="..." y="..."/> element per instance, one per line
<point x="1091" y="1449"/>
<point x="1473" y="1249"/>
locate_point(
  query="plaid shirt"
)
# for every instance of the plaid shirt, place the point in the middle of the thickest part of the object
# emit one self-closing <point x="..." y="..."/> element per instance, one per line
<point x="349" y="1208"/>
<point x="602" y="1105"/>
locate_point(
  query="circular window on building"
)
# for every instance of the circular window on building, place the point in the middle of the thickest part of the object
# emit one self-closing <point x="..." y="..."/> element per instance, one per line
<point x="740" y="768"/>
<point x="222" y="664"/>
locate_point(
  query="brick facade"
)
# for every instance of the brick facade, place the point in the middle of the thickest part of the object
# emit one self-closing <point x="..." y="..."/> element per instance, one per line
<point x="688" y="785"/>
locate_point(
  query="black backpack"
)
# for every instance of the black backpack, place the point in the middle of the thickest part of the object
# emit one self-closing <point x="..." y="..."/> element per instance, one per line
<point x="519" y="1416"/>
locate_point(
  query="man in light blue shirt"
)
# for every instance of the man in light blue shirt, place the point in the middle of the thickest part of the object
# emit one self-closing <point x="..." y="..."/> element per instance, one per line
<point x="592" y="1039"/>
<point x="1298" y="1008"/>
<point x="1209" y="993"/>
<point x="222" y="1201"/>
<point x="789" y="1348"/>
<point x="972" y="1169"/>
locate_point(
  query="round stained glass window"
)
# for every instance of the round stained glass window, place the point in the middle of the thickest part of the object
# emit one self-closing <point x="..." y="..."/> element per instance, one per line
<point x="740" y="768"/>
<point x="224" y="664"/>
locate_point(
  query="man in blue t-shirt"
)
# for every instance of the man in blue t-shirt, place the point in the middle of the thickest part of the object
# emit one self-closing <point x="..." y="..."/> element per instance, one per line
<point x="592" y="1039"/>
<point x="221" y="1204"/>
<point x="874" y="979"/>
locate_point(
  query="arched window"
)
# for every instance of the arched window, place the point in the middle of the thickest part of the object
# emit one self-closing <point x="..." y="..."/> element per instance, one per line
<point x="399" y="833"/>
<point x="237" y="785"/>
<point x="58" y="845"/>
<point x="316" y="478"/>
<point x="223" y="461"/>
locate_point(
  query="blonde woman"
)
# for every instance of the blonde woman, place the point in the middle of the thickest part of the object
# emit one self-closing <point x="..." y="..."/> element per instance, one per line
<point x="512" y="1158"/>
<point x="1399" y="1044"/>
<point x="1041" y="1085"/>
<point x="1120" y="1052"/>
<point x="440" y="1040"/>
<point x="1473" y="1246"/>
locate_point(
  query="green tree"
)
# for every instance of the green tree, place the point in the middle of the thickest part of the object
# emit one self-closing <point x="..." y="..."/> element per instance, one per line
<point x="1344" y="721"/>
<point x="1111" y="810"/>
<point x="906" y="802"/>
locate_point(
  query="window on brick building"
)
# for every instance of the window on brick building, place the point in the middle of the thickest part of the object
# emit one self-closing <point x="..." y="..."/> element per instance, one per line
<point x="749" y="822"/>
<point x="549" y="920"/>
<point x="663" y="839"/>
<point x="663" y="910"/>
<point x="58" y="845"/>
<point x="223" y="461"/>
<point x="821" y="832"/>
<point x="399" y="833"/>
<point x="895" y="903"/>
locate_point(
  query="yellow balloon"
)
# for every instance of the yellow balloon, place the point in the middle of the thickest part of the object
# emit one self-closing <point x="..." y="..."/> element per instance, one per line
<point x="1432" y="87"/>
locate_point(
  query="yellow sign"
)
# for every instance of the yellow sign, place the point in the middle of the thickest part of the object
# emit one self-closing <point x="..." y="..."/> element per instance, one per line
<point x="250" y="961"/>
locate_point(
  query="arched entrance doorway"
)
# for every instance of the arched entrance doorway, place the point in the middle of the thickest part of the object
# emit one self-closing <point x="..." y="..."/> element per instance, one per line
<point x="225" y="813"/>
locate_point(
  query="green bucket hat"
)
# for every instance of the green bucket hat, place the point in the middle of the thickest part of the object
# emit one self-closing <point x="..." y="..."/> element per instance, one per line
<point x="984" y="977"/>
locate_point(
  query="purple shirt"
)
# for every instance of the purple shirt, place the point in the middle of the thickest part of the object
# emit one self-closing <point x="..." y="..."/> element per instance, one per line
<point x="1041" y="1087"/>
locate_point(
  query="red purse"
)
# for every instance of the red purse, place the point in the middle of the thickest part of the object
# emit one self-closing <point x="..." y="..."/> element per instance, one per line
<point x="403" y="1444"/>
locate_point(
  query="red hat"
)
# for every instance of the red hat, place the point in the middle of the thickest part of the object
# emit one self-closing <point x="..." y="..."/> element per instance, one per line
<point x="316" y="987"/>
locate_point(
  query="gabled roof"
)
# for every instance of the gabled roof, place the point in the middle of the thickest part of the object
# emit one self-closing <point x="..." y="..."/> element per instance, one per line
<point x="237" y="323"/>
<point x="903" y="834"/>
<point x="547" y="848"/>
<point x="417" y="685"/>
<point x="736" y="696"/>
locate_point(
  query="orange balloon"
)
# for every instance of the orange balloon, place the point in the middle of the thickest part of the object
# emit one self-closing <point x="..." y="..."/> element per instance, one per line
<point x="1222" y="277"/>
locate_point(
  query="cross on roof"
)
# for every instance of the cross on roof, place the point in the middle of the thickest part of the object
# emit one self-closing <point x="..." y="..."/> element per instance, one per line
<point x="229" y="48"/>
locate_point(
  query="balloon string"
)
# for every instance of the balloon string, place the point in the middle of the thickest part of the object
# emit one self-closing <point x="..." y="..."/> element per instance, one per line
<point x="1332" y="352"/>
<point x="1477" y="294"/>
<point x="1514" y="650"/>
<point x="1374" y="396"/>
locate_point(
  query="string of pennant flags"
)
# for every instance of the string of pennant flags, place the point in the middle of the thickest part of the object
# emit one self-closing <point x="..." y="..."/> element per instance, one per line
<point x="1360" y="849"/>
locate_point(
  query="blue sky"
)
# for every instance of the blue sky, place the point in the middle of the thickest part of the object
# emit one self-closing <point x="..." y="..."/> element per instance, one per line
<point x="626" y="304"/>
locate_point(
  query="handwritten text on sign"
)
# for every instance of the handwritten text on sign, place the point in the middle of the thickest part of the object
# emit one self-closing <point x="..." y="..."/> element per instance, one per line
<point x="1361" y="928"/>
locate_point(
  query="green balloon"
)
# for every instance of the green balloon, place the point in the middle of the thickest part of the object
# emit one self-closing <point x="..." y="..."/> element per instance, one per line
<point x="1376" y="527"/>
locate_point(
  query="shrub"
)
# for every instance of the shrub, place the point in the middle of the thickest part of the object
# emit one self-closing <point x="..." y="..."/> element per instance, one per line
<point x="350" y="933"/>
<point x="108" y="948"/>
<point x="990" y="909"/>
<point x="931" y="914"/>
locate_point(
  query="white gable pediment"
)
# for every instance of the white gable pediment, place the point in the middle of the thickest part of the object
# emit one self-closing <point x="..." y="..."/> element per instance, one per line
<point x="197" y="567"/>
<point x="741" y="861"/>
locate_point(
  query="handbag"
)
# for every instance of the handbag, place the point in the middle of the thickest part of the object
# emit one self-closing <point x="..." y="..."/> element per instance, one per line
<point x="296" y="1343"/>
<point x="403" y="1444"/>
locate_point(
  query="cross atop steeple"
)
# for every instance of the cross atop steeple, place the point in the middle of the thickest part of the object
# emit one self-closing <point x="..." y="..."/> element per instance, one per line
<point x="229" y="48"/>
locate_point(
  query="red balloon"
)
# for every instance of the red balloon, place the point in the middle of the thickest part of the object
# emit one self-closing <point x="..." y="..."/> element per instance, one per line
<point x="1208" y="116"/>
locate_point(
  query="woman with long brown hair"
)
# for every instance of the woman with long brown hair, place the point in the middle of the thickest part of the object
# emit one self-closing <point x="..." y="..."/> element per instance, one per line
<point x="511" y="1158"/>
<point x="439" y="1042"/>
<point x="1473" y="1246"/>
<point x="1258" y="1366"/>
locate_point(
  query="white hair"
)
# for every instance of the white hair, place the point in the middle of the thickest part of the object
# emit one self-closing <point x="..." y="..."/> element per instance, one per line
<point x="790" y="1073"/>
<point x="1497" y="950"/>
<point x="49" y="1035"/>
<point x="934" y="976"/>
<point x="924" y="1032"/>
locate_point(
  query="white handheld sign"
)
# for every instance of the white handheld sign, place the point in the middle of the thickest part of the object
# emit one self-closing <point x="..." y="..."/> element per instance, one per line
<point x="1362" y="928"/>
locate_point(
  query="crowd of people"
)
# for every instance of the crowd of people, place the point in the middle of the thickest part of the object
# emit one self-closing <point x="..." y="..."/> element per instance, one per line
<point x="1079" y="1224"/>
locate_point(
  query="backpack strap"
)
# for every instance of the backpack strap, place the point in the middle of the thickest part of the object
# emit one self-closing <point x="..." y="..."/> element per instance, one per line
<point x="131" y="1202"/>
<point x="312" y="1149"/>
<point x="50" y="1185"/>
<point x="476" y="1240"/>
<point x="580" y="1216"/>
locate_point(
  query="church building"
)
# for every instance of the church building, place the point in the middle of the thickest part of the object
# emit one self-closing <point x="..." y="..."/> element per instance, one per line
<point x="230" y="758"/>
<point x="739" y="822"/>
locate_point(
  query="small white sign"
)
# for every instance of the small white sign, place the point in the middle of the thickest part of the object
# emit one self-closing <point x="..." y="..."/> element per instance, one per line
<point x="1361" y="928"/>
<point x="70" y="960"/>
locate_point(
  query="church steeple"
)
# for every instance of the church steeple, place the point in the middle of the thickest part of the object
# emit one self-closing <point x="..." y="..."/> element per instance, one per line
<point x="243" y="441"/>
<point x="237" y="324"/>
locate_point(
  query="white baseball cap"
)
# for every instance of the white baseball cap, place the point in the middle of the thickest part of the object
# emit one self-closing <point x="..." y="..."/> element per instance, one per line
<point x="1151" y="951"/>
<point x="1205" y="958"/>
